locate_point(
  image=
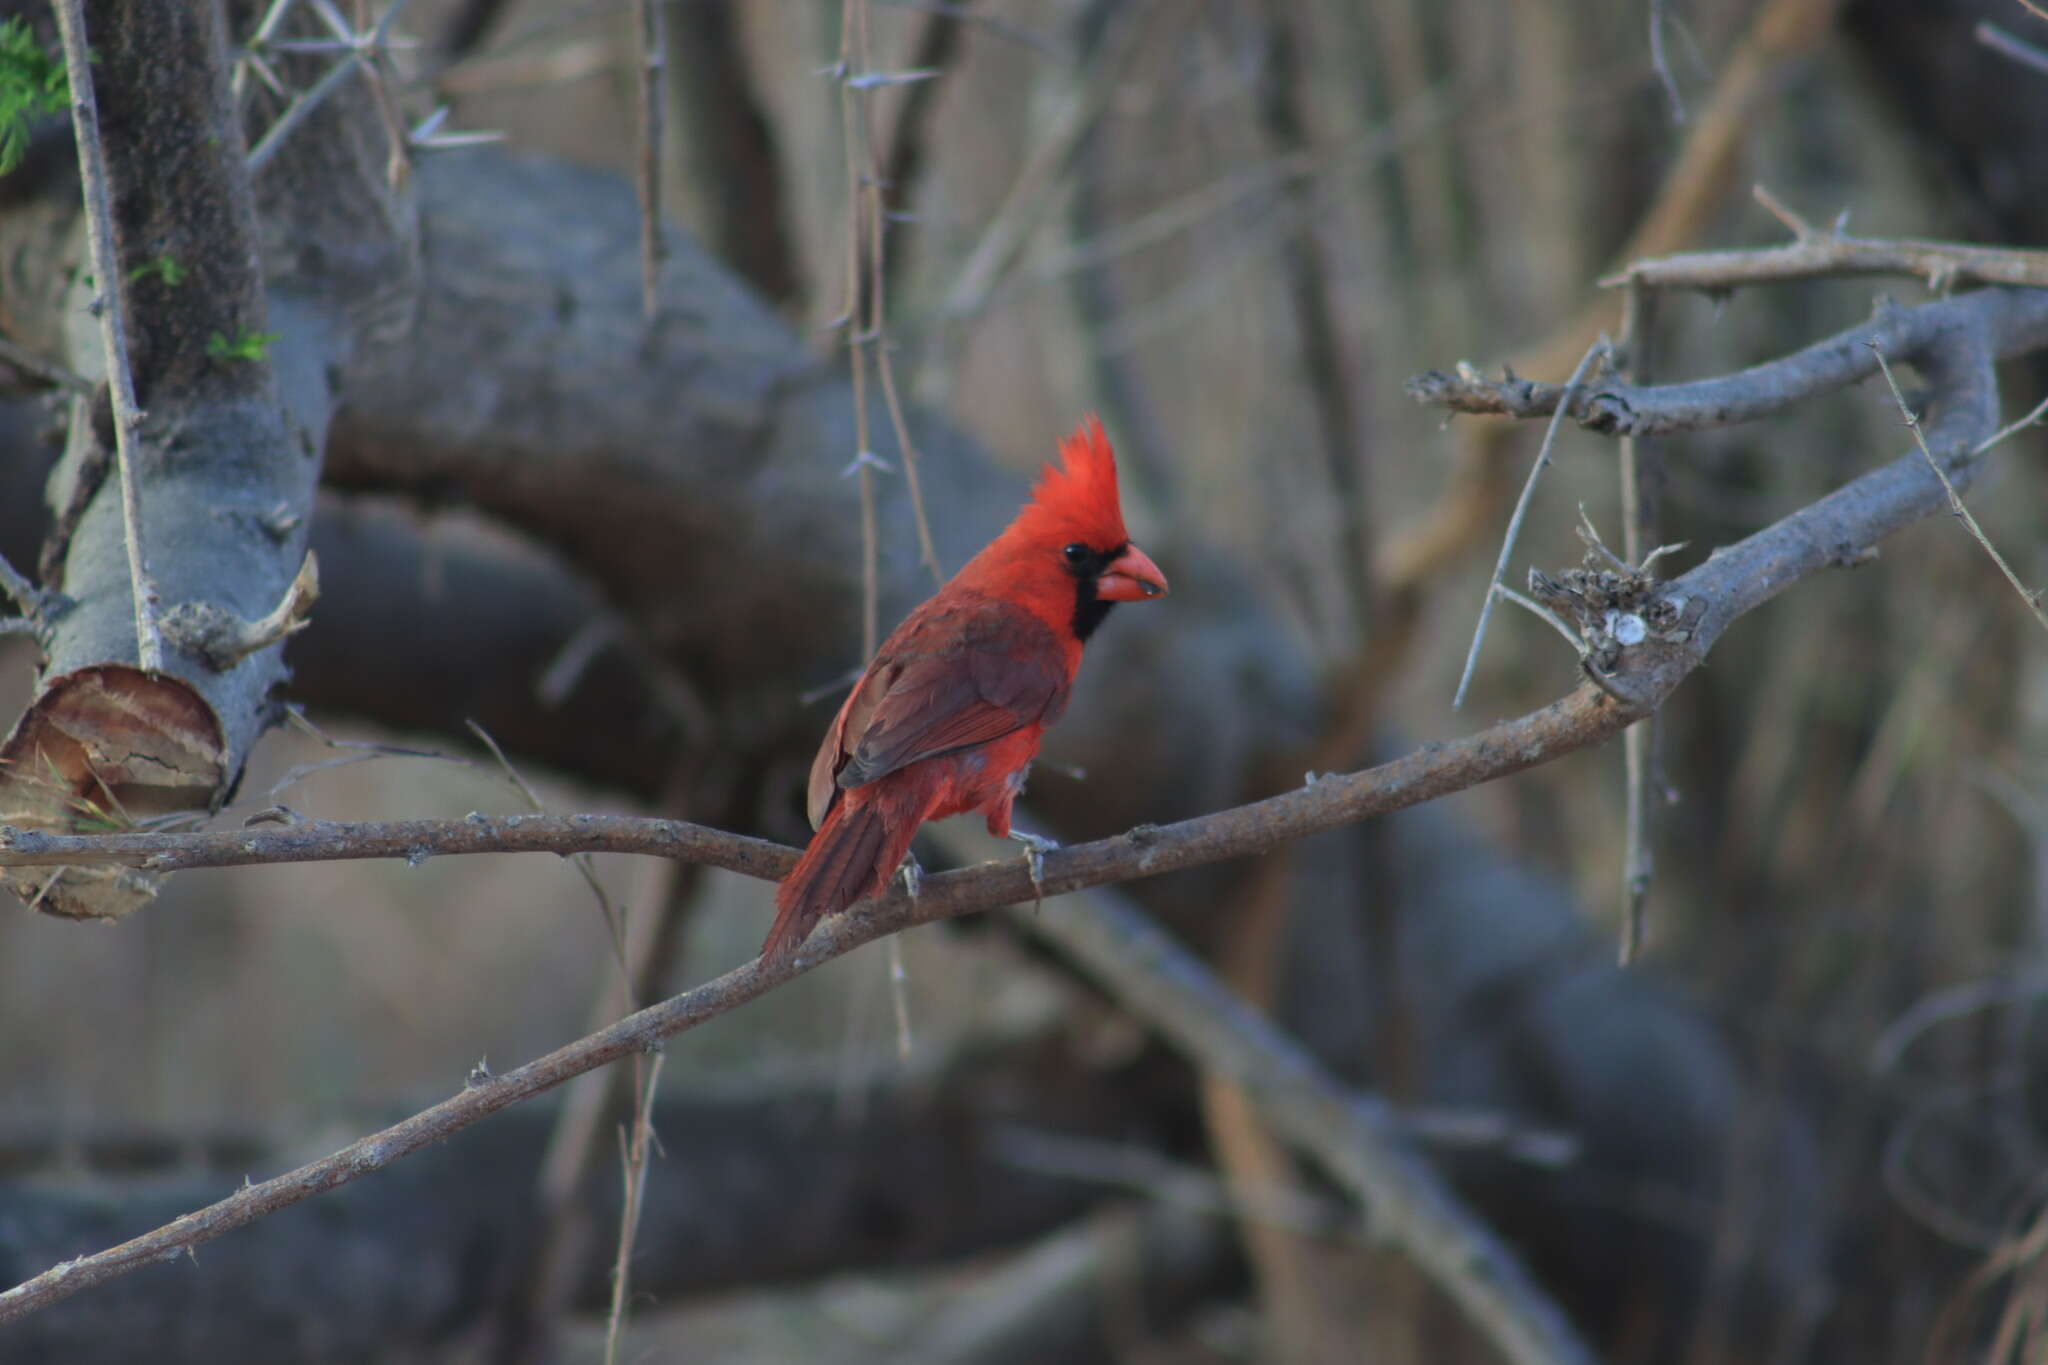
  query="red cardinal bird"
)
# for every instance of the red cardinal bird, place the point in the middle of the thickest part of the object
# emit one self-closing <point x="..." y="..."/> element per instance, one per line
<point x="948" y="716"/>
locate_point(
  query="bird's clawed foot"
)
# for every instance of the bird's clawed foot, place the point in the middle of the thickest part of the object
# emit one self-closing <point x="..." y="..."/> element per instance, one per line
<point x="912" y="873"/>
<point x="1035" y="849"/>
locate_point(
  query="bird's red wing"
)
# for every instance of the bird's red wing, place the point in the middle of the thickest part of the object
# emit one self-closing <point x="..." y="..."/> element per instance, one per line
<point x="951" y="685"/>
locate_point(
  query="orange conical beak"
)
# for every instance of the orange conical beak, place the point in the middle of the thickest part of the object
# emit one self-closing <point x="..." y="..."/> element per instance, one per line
<point x="1130" y="577"/>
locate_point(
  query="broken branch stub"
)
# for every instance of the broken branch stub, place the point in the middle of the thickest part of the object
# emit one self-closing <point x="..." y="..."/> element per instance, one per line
<point x="237" y="332"/>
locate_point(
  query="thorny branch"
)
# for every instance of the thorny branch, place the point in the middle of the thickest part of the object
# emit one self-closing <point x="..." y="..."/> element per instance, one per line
<point x="871" y="222"/>
<point x="2011" y="321"/>
<point x="1815" y="252"/>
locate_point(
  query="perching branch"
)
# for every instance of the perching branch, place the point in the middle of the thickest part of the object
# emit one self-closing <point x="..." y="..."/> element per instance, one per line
<point x="415" y="841"/>
<point x="1580" y="719"/>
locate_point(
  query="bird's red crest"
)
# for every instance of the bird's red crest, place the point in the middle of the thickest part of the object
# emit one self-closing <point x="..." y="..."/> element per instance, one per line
<point x="1077" y="498"/>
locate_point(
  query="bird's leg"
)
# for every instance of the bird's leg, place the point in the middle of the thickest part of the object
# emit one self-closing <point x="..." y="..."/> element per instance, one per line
<point x="1035" y="846"/>
<point x="912" y="873"/>
<point x="1035" y="849"/>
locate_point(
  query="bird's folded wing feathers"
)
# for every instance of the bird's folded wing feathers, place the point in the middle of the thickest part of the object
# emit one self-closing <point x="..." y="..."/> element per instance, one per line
<point x="988" y="680"/>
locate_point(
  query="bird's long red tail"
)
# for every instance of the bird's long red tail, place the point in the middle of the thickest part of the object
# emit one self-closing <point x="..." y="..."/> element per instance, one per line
<point x="852" y="856"/>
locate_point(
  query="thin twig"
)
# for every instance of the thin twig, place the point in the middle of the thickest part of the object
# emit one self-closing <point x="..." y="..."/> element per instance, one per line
<point x="376" y="48"/>
<point x="1660" y="65"/>
<point x="572" y="1150"/>
<point x="2008" y="45"/>
<point x="19" y="590"/>
<point x="1160" y="1178"/>
<point x="869" y="191"/>
<point x="1635" y="857"/>
<point x="1557" y="623"/>
<point x="614" y="918"/>
<point x="301" y="109"/>
<point x="1636" y="740"/>
<point x="864" y="458"/>
<point x="867" y="320"/>
<point x="867" y="287"/>
<point x="2028" y="595"/>
<point x="360" y="51"/>
<point x="1032" y="192"/>
<point x="2040" y="410"/>
<point x="1814" y="252"/>
<point x="252" y="59"/>
<point x="635" y="1148"/>
<point x="1507" y="549"/>
<point x="652" y="63"/>
<point x="106" y="265"/>
<point x="51" y="372"/>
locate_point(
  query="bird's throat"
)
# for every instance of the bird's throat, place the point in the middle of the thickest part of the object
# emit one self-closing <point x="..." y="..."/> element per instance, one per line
<point x="1088" y="608"/>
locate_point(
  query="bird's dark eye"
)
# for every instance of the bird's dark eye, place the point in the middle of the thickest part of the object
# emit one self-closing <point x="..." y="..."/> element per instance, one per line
<point x="1075" y="553"/>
